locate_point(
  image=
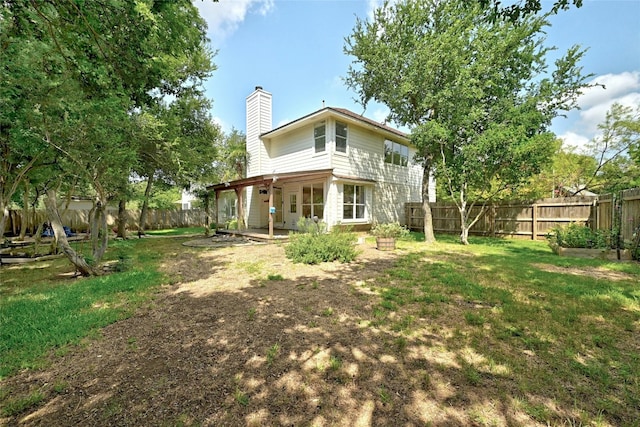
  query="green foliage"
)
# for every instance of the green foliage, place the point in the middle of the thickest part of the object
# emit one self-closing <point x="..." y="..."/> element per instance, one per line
<point x="390" y="229"/>
<point x="314" y="247"/>
<point x="578" y="236"/>
<point x="272" y="353"/>
<point x="477" y="116"/>
<point x="232" y="156"/>
<point x="523" y="8"/>
<point x="161" y="196"/>
<point x="15" y="406"/>
<point x="74" y="83"/>
<point x="308" y="225"/>
<point x="241" y="397"/>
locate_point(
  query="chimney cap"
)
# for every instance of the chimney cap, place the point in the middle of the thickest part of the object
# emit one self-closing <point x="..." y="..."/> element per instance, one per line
<point x="258" y="87"/>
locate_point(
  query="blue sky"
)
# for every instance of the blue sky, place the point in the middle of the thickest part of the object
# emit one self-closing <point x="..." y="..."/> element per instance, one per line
<point x="294" y="49"/>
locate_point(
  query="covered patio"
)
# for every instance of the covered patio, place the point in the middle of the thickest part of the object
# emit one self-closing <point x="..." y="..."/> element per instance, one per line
<point x="266" y="182"/>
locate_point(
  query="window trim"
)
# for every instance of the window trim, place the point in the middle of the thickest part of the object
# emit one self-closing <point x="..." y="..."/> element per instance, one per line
<point x="346" y="137"/>
<point x="355" y="204"/>
<point x="315" y="138"/>
<point x="318" y="186"/>
<point x="396" y="151"/>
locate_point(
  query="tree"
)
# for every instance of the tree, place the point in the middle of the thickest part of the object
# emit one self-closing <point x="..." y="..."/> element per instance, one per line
<point x="615" y="150"/>
<point x="474" y="90"/>
<point x="230" y="164"/>
<point x="177" y="144"/>
<point x="520" y="9"/>
<point x="76" y="72"/>
<point x="233" y="158"/>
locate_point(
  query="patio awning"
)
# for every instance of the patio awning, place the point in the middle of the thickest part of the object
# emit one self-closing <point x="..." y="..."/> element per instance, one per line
<point x="268" y="179"/>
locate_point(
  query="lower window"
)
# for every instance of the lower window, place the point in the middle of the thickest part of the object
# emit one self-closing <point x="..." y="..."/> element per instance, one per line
<point x="313" y="201"/>
<point x="353" y="202"/>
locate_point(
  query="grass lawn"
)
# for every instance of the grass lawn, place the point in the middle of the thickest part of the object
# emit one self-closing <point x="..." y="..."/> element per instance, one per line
<point x="545" y="339"/>
<point x="177" y="231"/>
<point x="42" y="307"/>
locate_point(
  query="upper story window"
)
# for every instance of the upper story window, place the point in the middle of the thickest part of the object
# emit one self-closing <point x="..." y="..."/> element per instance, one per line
<point x="319" y="137"/>
<point x="396" y="153"/>
<point x="341" y="137"/>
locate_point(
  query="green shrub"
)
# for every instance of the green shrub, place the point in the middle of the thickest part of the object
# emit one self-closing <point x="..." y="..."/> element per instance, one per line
<point x="578" y="236"/>
<point x="232" y="224"/>
<point x="308" y="225"/>
<point x="390" y="229"/>
<point x="314" y="247"/>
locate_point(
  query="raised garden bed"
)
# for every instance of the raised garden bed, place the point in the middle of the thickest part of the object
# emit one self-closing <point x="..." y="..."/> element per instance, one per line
<point x="22" y="259"/>
<point x="608" y="254"/>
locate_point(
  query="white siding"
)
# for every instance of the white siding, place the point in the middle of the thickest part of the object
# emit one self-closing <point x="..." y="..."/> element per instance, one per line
<point x="256" y="214"/>
<point x="366" y="160"/>
<point x="388" y="202"/>
<point x="394" y="185"/>
<point x="295" y="152"/>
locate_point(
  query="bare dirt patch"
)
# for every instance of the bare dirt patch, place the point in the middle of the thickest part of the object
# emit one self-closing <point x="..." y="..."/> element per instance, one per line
<point x="599" y="273"/>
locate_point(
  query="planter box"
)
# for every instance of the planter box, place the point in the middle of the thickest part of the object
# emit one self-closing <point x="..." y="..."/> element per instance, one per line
<point x="386" y="243"/>
<point x="608" y="254"/>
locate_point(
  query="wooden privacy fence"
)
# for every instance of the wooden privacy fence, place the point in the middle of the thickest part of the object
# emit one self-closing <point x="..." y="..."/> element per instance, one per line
<point x="78" y="220"/>
<point x="534" y="220"/>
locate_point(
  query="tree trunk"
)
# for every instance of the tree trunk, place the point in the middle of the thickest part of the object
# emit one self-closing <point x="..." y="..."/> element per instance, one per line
<point x="429" y="237"/>
<point x="3" y="217"/>
<point x="122" y="219"/>
<point x="464" y="235"/>
<point x="145" y="206"/>
<point x="99" y="230"/>
<point x="56" y="223"/>
<point x="25" y="211"/>
<point x="464" y="228"/>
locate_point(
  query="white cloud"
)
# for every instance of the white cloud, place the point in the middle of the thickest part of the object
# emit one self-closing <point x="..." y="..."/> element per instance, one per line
<point x="224" y="17"/>
<point x="623" y="88"/>
<point x="572" y="139"/>
<point x="615" y="85"/>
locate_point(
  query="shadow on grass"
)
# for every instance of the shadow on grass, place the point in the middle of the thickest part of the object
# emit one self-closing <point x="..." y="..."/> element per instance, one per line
<point x="413" y="339"/>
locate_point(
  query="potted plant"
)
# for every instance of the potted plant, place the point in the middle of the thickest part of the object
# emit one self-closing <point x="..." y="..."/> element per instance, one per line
<point x="387" y="233"/>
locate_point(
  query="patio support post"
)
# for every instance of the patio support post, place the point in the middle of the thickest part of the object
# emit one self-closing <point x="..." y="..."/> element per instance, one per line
<point x="215" y="212"/>
<point x="270" y="213"/>
<point x="240" y="212"/>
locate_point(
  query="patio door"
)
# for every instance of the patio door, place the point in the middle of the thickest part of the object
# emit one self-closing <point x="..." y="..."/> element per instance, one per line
<point x="291" y="210"/>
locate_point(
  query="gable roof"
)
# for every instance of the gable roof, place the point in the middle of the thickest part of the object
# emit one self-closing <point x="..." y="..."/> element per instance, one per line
<point x="336" y="112"/>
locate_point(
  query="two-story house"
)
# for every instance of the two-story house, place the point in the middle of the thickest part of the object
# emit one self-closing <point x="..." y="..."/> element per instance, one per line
<point x="332" y="164"/>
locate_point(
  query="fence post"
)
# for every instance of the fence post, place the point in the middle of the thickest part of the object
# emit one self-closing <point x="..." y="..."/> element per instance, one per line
<point x="493" y="220"/>
<point x="534" y="221"/>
